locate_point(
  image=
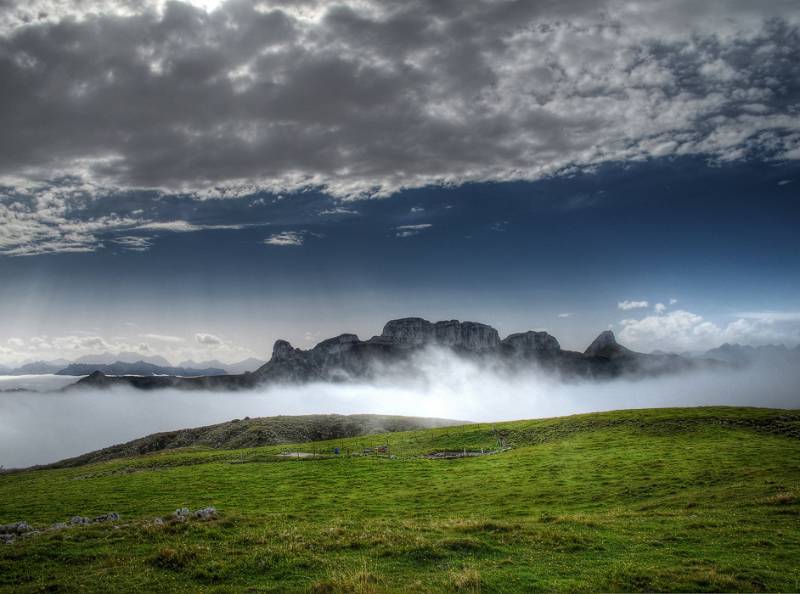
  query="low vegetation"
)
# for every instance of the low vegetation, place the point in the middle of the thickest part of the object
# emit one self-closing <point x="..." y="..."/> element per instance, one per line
<point x="703" y="500"/>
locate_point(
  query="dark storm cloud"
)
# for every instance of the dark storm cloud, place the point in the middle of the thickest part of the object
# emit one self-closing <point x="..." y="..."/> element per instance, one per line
<point x="367" y="98"/>
<point x="381" y="95"/>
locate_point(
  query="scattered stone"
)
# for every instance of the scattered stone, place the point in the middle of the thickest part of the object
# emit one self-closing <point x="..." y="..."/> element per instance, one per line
<point x="15" y="528"/>
<point x="31" y="533"/>
<point x="207" y="513"/>
<point x="79" y="521"/>
<point x="58" y="526"/>
<point x="7" y="538"/>
<point x="109" y="517"/>
<point x="158" y="522"/>
<point x="181" y="513"/>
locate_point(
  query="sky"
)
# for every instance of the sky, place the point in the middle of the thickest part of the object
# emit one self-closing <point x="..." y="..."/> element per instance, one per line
<point x="198" y="179"/>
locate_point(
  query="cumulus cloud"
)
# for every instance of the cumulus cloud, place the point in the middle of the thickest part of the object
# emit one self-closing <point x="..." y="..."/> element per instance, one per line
<point x="70" y="346"/>
<point x="370" y="96"/>
<point x="207" y="339"/>
<point x="627" y="305"/>
<point x="73" y="346"/>
<point x="411" y="230"/>
<point x="681" y="330"/>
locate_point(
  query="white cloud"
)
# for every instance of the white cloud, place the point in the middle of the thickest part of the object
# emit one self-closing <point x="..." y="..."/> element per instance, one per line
<point x="564" y="315"/>
<point x="783" y="182"/>
<point x="681" y="330"/>
<point x="73" y="346"/>
<point x="50" y="219"/>
<point x="184" y="226"/>
<point x="411" y="230"/>
<point x="338" y="210"/>
<point x="286" y="238"/>
<point x="163" y="338"/>
<point x="628" y="305"/>
<point x="416" y="209"/>
<point x="659" y="308"/>
<point x="673" y="301"/>
<point x="208" y="339"/>
<point x="45" y="222"/>
<point x="134" y="243"/>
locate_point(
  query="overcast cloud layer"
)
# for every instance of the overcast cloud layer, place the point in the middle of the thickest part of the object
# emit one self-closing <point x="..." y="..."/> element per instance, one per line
<point x="370" y="97"/>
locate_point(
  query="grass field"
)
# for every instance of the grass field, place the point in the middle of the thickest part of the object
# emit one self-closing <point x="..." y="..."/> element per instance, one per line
<point x="701" y="499"/>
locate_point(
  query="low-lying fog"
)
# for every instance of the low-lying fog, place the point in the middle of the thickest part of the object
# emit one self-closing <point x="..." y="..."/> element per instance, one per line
<point x="45" y="427"/>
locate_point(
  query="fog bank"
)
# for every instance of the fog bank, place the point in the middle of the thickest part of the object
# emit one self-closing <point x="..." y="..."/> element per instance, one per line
<point x="37" y="428"/>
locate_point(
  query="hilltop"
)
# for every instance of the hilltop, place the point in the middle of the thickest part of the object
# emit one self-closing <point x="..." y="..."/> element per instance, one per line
<point x="248" y="433"/>
<point x="699" y="500"/>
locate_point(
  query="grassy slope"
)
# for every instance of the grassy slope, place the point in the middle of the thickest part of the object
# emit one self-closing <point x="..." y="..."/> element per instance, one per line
<point x="249" y="433"/>
<point x="701" y="499"/>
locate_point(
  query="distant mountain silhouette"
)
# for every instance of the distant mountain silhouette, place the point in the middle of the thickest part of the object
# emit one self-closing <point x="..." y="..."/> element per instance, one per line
<point x="36" y="368"/>
<point x="137" y="368"/>
<point x="250" y="364"/>
<point x="124" y="357"/>
<point x="346" y="357"/>
<point x="743" y="355"/>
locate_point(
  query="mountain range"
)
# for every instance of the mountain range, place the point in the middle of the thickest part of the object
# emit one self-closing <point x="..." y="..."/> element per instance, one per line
<point x="129" y="363"/>
<point x="137" y="368"/>
<point x="346" y="357"/>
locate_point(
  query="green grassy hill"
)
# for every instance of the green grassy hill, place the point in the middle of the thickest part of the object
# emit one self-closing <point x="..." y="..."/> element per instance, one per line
<point x="249" y="433"/>
<point x="702" y="499"/>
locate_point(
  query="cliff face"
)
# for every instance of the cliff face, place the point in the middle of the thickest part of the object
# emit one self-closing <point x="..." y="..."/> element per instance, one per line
<point x="346" y="357"/>
<point x="416" y="332"/>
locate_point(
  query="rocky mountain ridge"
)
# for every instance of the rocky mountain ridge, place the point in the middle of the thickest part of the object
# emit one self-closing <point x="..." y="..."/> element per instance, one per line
<point x="346" y="357"/>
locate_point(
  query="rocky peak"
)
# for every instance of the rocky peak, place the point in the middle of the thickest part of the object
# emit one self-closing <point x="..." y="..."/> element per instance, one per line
<point x="606" y="345"/>
<point x="408" y="331"/>
<point x="281" y="349"/>
<point x="531" y="344"/>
